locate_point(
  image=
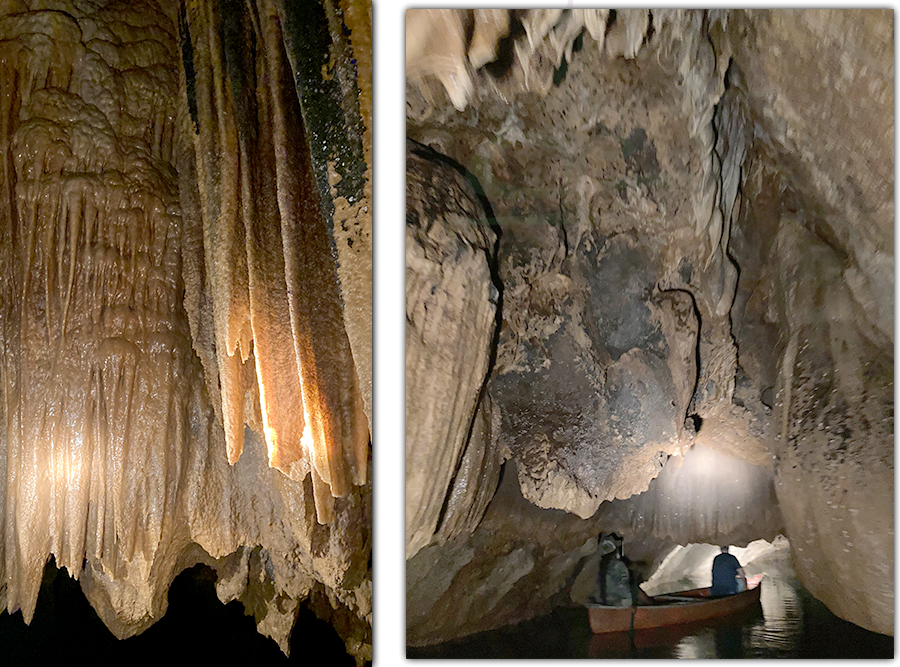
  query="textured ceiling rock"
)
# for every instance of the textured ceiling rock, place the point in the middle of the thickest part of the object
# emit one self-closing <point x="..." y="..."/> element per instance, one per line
<point x="611" y="258"/>
<point x="451" y="305"/>
<point x="586" y="392"/>
<point x="136" y="260"/>
<point x="695" y="250"/>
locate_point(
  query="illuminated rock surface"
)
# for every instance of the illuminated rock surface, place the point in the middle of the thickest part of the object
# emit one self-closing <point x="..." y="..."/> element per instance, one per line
<point x="168" y="274"/>
<point x="695" y="262"/>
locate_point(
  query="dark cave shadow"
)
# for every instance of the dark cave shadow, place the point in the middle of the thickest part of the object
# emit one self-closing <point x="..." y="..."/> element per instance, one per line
<point x="196" y="626"/>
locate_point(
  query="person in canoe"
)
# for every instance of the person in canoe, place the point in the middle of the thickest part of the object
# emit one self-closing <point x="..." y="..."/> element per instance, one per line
<point x="618" y="579"/>
<point x="727" y="575"/>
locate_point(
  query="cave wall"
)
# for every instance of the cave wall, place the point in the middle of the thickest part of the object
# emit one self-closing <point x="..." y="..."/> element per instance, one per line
<point x="451" y="323"/>
<point x="827" y="287"/>
<point x="186" y="356"/>
<point x="688" y="261"/>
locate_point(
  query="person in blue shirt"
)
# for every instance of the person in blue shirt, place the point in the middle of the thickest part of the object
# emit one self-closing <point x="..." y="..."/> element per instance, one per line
<point x="727" y="575"/>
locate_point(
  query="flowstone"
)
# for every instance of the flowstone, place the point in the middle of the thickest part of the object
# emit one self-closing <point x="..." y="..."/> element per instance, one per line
<point x="164" y="286"/>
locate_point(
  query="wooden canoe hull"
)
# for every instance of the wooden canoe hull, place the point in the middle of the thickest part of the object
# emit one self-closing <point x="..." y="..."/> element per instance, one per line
<point x="657" y="642"/>
<point x="668" y="610"/>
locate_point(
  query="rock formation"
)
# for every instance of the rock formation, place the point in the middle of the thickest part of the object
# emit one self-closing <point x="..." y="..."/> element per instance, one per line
<point x="695" y="274"/>
<point x="455" y="304"/>
<point x="185" y="356"/>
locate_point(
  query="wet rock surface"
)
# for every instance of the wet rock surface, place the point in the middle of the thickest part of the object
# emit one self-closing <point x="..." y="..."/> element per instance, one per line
<point x="152" y="306"/>
<point x="509" y="569"/>
<point x="451" y="305"/>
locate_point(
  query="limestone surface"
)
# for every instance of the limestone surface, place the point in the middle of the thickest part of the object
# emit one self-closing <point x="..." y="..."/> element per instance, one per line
<point x="168" y="279"/>
<point x="451" y="305"/>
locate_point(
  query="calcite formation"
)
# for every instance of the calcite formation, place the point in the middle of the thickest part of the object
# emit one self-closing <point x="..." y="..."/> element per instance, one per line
<point x="179" y="382"/>
<point x="450" y="325"/>
<point x="272" y="277"/>
<point x="695" y="268"/>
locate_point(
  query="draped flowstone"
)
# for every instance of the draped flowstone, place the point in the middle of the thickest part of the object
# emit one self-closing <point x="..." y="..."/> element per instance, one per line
<point x="178" y="385"/>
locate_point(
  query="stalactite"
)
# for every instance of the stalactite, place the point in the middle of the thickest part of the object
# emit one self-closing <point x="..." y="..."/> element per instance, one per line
<point x="297" y="329"/>
<point x="424" y="29"/>
<point x="328" y="47"/>
<point x="113" y="459"/>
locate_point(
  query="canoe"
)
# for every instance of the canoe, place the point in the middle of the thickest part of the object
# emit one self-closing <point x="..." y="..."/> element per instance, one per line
<point x="658" y="642"/>
<point x="671" y="609"/>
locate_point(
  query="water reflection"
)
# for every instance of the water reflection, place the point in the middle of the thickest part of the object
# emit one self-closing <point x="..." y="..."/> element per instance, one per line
<point x="783" y="618"/>
<point x="789" y="623"/>
<point x="723" y="638"/>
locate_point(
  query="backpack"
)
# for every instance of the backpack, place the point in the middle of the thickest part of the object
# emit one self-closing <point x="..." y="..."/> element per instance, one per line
<point x="618" y="585"/>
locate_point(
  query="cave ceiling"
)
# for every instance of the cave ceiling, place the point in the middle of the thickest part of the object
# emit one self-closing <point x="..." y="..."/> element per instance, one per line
<point x="650" y="279"/>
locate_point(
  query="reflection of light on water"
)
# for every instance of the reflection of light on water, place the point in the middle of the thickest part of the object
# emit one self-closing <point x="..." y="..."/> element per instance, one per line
<point x="697" y="646"/>
<point x="783" y="618"/>
<point x="687" y="649"/>
<point x="774" y="635"/>
<point x="790" y="624"/>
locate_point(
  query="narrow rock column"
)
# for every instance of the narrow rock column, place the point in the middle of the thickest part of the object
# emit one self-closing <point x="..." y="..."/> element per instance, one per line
<point x="451" y="305"/>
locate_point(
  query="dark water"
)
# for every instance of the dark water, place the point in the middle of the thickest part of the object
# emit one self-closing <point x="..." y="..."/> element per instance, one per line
<point x="202" y="629"/>
<point x="790" y="624"/>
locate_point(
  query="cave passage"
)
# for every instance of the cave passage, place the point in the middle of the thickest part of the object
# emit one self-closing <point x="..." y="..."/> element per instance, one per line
<point x="649" y="291"/>
<point x="185" y="312"/>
